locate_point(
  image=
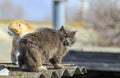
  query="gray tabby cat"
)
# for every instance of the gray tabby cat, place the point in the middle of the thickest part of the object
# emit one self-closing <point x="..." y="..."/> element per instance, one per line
<point x="45" y="44"/>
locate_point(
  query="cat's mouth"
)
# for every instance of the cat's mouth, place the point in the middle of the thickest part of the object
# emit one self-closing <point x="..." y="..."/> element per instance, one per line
<point x="67" y="43"/>
<point x="10" y="32"/>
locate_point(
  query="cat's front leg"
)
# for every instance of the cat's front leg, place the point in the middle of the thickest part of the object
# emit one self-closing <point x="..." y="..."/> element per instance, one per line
<point x="58" y="66"/>
<point x="55" y="61"/>
<point x="14" y="57"/>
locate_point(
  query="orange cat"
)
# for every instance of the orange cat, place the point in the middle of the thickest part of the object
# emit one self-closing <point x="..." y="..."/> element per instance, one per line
<point x="18" y="29"/>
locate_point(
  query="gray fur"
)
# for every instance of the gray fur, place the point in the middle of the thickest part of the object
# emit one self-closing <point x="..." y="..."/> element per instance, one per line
<point x="45" y="44"/>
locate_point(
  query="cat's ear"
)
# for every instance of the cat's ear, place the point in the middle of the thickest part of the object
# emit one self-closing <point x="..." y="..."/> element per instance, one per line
<point x="62" y="28"/>
<point x="73" y="33"/>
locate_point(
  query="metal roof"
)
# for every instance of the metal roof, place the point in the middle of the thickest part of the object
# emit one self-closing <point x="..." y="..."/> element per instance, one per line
<point x="69" y="71"/>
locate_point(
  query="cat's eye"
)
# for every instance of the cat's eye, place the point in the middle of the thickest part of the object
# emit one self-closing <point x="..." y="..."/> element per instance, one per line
<point x="19" y="25"/>
<point x="65" y="35"/>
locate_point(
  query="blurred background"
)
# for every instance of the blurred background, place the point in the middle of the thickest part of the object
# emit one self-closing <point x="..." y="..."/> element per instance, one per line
<point x="97" y="22"/>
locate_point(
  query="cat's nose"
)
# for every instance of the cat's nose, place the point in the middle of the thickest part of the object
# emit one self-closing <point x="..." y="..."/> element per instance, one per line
<point x="67" y="42"/>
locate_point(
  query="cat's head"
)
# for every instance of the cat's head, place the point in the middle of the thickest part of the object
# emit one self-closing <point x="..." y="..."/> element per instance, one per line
<point x="67" y="36"/>
<point x="18" y="28"/>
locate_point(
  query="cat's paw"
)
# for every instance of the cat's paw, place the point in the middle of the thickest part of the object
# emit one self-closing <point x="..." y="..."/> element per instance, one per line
<point x="23" y="67"/>
<point x="15" y="63"/>
<point x="58" y="66"/>
<point x="42" y="68"/>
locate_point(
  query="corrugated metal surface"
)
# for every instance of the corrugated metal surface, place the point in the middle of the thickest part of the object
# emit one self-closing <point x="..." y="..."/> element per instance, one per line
<point x="67" y="72"/>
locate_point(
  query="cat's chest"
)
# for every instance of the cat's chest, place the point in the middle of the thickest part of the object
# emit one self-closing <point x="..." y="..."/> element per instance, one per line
<point x="51" y="53"/>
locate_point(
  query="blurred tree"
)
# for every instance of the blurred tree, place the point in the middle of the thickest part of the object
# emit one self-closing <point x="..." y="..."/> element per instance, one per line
<point x="8" y="10"/>
<point x="81" y="14"/>
<point x="104" y="17"/>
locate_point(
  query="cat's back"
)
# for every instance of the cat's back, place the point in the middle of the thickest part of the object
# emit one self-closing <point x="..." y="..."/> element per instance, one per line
<point x="46" y="34"/>
<point x="43" y="36"/>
